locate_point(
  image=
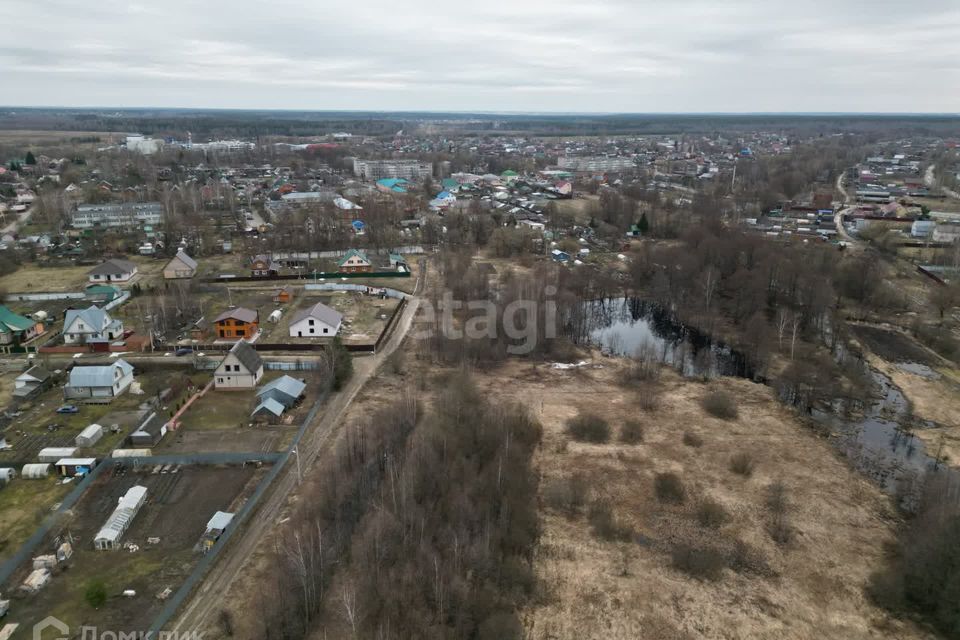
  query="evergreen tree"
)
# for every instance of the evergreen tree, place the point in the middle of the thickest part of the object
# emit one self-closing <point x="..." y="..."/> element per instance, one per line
<point x="30" y="158"/>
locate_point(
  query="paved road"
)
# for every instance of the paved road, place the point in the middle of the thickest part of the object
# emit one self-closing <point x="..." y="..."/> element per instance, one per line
<point x="207" y="602"/>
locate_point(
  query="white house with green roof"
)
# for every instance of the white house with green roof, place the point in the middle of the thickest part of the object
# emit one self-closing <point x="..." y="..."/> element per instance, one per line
<point x="15" y="328"/>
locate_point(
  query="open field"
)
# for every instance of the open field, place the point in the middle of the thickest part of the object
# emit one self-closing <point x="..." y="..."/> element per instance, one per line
<point x="176" y="511"/>
<point x="596" y="588"/>
<point x="33" y="278"/>
<point x="25" y="504"/>
<point x="44" y="137"/>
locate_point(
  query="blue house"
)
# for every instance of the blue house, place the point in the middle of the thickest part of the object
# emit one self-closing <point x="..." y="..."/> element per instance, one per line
<point x="560" y="256"/>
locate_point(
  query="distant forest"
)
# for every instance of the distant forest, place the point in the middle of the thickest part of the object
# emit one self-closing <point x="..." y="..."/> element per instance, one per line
<point x="251" y="124"/>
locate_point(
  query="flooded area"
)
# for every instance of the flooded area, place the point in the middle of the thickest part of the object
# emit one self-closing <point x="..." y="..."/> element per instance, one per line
<point x="876" y="436"/>
<point x="631" y="327"/>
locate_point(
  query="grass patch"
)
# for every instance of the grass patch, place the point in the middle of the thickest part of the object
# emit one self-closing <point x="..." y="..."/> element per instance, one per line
<point x="669" y="488"/>
<point x="742" y="464"/>
<point x="631" y="432"/>
<point x="720" y="405"/>
<point x="692" y="440"/>
<point x="589" y="427"/>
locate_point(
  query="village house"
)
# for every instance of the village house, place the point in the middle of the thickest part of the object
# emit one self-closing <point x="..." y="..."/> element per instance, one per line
<point x="318" y="320"/>
<point x="237" y="323"/>
<point x="18" y="329"/>
<point x="282" y="296"/>
<point x="242" y="368"/>
<point x="263" y="266"/>
<point x="354" y="261"/>
<point x="181" y="266"/>
<point x="115" y="270"/>
<point x="99" y="383"/>
<point x="85" y="326"/>
<point x="31" y="382"/>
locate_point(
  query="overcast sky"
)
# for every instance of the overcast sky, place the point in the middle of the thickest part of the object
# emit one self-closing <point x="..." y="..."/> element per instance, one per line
<point x="498" y="55"/>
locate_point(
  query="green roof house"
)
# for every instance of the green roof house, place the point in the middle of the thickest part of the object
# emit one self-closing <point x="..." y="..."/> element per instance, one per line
<point x="17" y="328"/>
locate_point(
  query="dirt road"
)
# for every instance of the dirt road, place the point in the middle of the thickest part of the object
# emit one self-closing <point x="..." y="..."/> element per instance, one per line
<point x="207" y="600"/>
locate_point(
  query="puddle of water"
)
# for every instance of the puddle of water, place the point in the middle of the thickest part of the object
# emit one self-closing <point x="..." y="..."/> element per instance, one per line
<point x="918" y="369"/>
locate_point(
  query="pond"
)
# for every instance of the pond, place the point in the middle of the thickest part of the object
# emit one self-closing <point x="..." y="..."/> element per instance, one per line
<point x="632" y="326"/>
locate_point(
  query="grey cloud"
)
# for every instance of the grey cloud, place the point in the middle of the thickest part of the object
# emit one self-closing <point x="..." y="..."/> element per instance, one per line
<point x="537" y="55"/>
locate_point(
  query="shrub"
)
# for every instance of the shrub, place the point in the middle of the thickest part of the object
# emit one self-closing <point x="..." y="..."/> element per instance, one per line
<point x="631" y="432"/>
<point x="711" y="514"/>
<point x="720" y="405"/>
<point x="742" y="464"/>
<point x="703" y="563"/>
<point x="780" y="530"/>
<point x="648" y="397"/>
<point x="746" y="559"/>
<point x="604" y="524"/>
<point x="96" y="593"/>
<point x="692" y="440"/>
<point x="589" y="427"/>
<point x="669" y="488"/>
<point x="777" y="497"/>
<point x="567" y="495"/>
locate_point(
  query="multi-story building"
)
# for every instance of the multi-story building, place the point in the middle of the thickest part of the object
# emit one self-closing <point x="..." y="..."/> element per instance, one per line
<point x="596" y="163"/>
<point x="118" y="214"/>
<point x="378" y="169"/>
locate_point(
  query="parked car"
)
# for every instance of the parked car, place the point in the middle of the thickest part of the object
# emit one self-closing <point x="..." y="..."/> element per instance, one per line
<point x="184" y="351"/>
<point x="68" y="408"/>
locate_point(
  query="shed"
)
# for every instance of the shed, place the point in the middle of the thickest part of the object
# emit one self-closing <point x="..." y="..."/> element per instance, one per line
<point x="35" y="470"/>
<point x="268" y="410"/>
<point x="52" y="454"/>
<point x="286" y="390"/>
<point x="89" y="436"/>
<point x="150" y="431"/>
<point x="73" y="467"/>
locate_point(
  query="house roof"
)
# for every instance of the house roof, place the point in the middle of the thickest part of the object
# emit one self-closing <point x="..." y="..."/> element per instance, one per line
<point x="353" y="253"/>
<point x="13" y="321"/>
<point x="110" y="267"/>
<point x="320" y="312"/>
<point x="238" y="313"/>
<point x="94" y="316"/>
<point x="286" y="385"/>
<point x="152" y="425"/>
<point x="185" y="259"/>
<point x="247" y="355"/>
<point x="220" y="520"/>
<point x="97" y="376"/>
<point x="35" y="372"/>
<point x="270" y="405"/>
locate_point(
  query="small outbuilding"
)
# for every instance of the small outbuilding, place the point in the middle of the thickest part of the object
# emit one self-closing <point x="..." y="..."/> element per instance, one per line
<point x="52" y="454"/>
<point x="35" y="470"/>
<point x="75" y="467"/>
<point x="89" y="436"/>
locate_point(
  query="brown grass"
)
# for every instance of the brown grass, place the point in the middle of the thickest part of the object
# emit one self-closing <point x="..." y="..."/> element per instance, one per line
<point x="594" y="587"/>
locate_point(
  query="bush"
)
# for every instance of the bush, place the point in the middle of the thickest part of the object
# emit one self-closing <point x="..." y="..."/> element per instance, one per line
<point x="711" y="514"/>
<point x="648" y="397"/>
<point x="567" y="495"/>
<point x="589" y="427"/>
<point x="631" y="432"/>
<point x="603" y="523"/>
<point x="669" y="488"/>
<point x="742" y="464"/>
<point x="720" y="405"/>
<point x="703" y="563"/>
<point x="96" y="593"/>
<point x="692" y="440"/>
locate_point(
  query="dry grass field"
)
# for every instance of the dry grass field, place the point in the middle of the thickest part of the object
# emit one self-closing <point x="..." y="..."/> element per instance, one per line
<point x="811" y="585"/>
